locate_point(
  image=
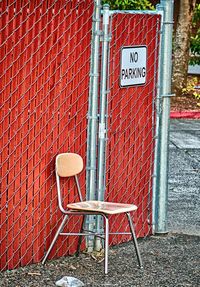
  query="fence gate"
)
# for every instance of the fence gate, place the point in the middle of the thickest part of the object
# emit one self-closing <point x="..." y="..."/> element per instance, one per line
<point x="127" y="115"/>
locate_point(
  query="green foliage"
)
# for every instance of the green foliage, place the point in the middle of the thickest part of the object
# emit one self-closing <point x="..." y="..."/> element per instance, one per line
<point x="196" y="17"/>
<point x="129" y="4"/>
<point x="195" y="38"/>
<point x="190" y="89"/>
<point x="195" y="48"/>
<point x="197" y="95"/>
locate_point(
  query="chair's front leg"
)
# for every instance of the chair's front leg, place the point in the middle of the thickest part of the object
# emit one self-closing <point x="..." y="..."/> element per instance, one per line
<point x="106" y="243"/>
<point x="134" y="240"/>
<point x="55" y="238"/>
<point x="80" y="236"/>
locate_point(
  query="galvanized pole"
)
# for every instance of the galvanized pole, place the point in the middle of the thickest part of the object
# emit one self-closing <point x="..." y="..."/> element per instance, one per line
<point x="102" y="119"/>
<point x="156" y="175"/>
<point x="165" y="93"/>
<point x="93" y="117"/>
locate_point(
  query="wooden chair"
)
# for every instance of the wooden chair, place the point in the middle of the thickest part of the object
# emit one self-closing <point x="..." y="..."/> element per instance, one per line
<point x="71" y="164"/>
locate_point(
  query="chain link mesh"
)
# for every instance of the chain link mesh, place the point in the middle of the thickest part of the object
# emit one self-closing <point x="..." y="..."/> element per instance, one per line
<point x="45" y="62"/>
<point x="131" y="124"/>
<point x="44" y="78"/>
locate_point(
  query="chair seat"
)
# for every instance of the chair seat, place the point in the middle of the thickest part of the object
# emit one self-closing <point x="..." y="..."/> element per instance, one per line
<point x="102" y="206"/>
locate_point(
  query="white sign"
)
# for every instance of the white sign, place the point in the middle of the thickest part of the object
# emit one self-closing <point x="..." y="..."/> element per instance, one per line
<point x="133" y="66"/>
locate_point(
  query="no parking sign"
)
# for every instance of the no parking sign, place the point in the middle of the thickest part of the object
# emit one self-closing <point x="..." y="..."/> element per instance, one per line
<point x="133" y="66"/>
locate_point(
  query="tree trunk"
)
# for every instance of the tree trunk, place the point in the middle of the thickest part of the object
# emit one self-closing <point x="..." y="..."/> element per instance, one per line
<point x="181" y="45"/>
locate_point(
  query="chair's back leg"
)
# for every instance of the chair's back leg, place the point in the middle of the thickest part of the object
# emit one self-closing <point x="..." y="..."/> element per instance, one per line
<point x="134" y="240"/>
<point x="55" y="238"/>
<point x="80" y="236"/>
<point x="106" y="243"/>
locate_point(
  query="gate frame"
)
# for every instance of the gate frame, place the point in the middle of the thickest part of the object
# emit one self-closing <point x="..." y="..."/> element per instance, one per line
<point x="97" y="123"/>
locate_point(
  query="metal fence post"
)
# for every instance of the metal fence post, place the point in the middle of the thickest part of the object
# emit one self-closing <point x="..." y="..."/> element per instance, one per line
<point x="165" y="93"/>
<point x="93" y="117"/>
<point x="156" y="175"/>
<point x="102" y="118"/>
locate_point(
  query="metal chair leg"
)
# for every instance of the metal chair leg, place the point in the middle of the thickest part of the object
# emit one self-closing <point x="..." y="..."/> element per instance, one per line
<point x="80" y="236"/>
<point x="106" y="244"/>
<point x="55" y="238"/>
<point x="134" y="240"/>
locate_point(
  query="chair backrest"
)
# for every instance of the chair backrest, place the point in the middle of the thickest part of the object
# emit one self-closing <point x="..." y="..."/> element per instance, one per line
<point x="68" y="164"/>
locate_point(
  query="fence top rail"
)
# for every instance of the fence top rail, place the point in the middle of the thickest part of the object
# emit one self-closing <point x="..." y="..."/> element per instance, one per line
<point x="143" y="12"/>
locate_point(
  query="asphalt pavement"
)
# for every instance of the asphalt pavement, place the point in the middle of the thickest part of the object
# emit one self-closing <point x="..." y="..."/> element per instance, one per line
<point x="184" y="177"/>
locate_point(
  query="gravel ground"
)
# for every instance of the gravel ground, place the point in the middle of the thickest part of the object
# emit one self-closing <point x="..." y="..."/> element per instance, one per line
<point x="170" y="260"/>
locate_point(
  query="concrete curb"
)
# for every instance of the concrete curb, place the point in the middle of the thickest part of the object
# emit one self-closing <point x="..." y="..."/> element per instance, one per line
<point x="193" y="114"/>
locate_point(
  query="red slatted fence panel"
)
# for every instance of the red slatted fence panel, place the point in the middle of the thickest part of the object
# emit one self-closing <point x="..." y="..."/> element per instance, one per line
<point x="45" y="56"/>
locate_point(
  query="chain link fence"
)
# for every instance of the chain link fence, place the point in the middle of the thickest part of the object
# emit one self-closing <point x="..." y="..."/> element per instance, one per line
<point x="49" y="105"/>
<point x="44" y="78"/>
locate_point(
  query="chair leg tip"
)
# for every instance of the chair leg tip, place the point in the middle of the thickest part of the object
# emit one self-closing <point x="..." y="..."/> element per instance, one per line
<point x="44" y="261"/>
